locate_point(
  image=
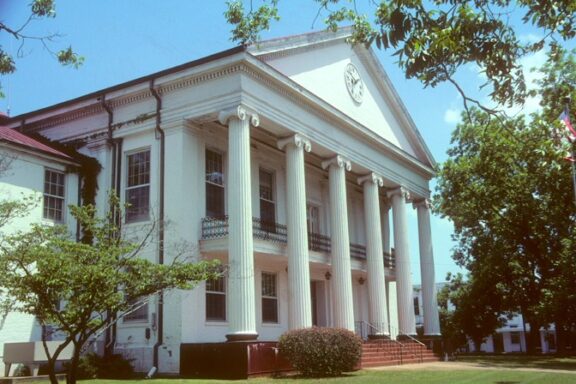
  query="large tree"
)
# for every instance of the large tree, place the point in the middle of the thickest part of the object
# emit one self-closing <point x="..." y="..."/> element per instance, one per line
<point x="508" y="190"/>
<point x="72" y="287"/>
<point x="469" y="307"/>
<point x="433" y="39"/>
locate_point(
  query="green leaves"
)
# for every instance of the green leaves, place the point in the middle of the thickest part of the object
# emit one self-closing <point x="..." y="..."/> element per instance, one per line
<point x="249" y="25"/>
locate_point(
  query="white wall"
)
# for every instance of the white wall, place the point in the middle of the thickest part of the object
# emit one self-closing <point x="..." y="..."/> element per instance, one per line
<point x="23" y="178"/>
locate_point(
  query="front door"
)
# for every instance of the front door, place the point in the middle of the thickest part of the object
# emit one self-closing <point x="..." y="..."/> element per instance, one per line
<point x="318" y="302"/>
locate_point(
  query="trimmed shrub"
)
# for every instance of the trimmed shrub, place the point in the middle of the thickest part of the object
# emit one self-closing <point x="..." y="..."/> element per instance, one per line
<point x="319" y="352"/>
<point x="22" y="371"/>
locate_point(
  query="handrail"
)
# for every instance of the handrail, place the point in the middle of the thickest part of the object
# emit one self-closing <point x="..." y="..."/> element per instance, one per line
<point x="419" y="342"/>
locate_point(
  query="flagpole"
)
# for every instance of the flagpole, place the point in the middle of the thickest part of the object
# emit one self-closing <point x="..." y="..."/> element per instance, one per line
<point x="567" y="100"/>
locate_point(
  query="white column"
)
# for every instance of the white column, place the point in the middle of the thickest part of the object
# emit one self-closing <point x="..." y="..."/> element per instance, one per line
<point x="402" y="251"/>
<point x="299" y="298"/>
<point x="374" y="254"/>
<point x="430" y="304"/>
<point x="241" y="287"/>
<point x="341" y="269"/>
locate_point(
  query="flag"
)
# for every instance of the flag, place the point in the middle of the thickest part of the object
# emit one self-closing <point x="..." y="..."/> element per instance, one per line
<point x="571" y="131"/>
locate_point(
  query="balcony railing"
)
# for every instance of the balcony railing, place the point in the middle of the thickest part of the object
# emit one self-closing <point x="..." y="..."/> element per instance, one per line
<point x="217" y="228"/>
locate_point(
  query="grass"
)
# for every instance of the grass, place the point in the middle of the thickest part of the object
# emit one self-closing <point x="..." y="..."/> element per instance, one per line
<point x="504" y="371"/>
<point x="521" y="361"/>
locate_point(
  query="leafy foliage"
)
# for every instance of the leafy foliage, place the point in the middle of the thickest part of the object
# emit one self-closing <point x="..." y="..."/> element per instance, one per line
<point x="508" y="191"/>
<point x="76" y="288"/>
<point x="38" y="9"/>
<point x="319" y="352"/>
<point x="432" y="39"/>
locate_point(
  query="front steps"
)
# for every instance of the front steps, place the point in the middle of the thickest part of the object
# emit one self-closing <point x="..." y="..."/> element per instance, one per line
<point x="379" y="353"/>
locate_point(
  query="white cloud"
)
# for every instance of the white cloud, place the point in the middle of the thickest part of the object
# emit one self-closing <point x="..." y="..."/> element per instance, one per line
<point x="452" y="115"/>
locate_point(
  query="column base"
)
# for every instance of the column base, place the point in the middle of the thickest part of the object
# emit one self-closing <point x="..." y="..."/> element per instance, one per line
<point x="241" y="337"/>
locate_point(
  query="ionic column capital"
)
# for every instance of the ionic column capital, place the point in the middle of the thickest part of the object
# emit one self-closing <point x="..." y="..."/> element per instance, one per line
<point x="339" y="161"/>
<point x="399" y="191"/>
<point x="425" y="203"/>
<point x="372" y="178"/>
<point x="239" y="112"/>
<point x="297" y="140"/>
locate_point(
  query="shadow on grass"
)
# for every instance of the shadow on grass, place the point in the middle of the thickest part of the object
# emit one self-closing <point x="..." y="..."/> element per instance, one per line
<point x="521" y="361"/>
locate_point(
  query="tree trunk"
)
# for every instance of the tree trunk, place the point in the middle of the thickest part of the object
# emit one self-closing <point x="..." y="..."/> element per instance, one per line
<point x="52" y="370"/>
<point x="477" y="344"/>
<point x="73" y="367"/>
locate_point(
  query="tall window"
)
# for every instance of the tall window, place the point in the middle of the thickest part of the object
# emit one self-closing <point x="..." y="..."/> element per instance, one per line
<point x="416" y="307"/>
<point x="269" y="298"/>
<point x="138" y="187"/>
<point x="214" y="184"/>
<point x="216" y="299"/>
<point x="267" y="203"/>
<point x="54" y="195"/>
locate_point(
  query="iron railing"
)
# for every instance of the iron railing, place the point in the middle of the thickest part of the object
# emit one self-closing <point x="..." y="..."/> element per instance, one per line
<point x="217" y="228"/>
<point x="318" y="242"/>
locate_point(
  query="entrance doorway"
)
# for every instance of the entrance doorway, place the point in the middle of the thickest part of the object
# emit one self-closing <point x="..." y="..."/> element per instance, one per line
<point x="318" y="293"/>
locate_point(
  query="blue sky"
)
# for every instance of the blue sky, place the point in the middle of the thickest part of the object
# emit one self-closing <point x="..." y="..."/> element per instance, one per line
<point x="123" y="40"/>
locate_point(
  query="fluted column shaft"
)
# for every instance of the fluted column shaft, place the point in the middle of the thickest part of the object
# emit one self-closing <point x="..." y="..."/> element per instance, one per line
<point x="378" y="312"/>
<point x="241" y="288"/>
<point x="407" y="321"/>
<point x="343" y="316"/>
<point x="430" y="304"/>
<point x="299" y="298"/>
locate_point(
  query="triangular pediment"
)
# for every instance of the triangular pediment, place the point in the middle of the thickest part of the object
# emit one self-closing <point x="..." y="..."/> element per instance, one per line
<point x="319" y="61"/>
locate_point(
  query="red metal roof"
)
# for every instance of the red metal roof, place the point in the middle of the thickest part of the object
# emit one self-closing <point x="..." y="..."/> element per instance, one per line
<point x="13" y="136"/>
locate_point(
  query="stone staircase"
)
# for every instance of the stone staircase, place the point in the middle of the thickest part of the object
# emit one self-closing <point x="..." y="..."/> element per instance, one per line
<point x="379" y="353"/>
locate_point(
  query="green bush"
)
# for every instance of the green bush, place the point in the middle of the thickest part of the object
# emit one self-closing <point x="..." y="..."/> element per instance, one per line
<point x="318" y="352"/>
<point x="93" y="366"/>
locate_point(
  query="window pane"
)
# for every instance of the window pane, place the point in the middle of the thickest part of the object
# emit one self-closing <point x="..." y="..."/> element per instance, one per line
<point x="215" y="306"/>
<point x="139" y="168"/>
<point x="214" y="169"/>
<point x="269" y="310"/>
<point x="138" y="199"/>
<point x="139" y="314"/>
<point x="268" y="284"/>
<point x="214" y="200"/>
<point x="216" y="299"/>
<point x="266" y="185"/>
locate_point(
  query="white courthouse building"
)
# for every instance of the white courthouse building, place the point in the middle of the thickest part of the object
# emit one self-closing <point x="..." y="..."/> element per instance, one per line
<point x="291" y="161"/>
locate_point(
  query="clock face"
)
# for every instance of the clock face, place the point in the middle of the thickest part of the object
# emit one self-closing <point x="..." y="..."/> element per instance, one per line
<point x="354" y="83"/>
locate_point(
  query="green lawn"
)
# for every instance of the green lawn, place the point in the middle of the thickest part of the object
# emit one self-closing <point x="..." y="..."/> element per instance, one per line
<point x="501" y="376"/>
<point x="521" y="361"/>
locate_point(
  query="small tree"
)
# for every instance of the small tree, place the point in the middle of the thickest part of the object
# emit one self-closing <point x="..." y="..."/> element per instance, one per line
<point x="71" y="287"/>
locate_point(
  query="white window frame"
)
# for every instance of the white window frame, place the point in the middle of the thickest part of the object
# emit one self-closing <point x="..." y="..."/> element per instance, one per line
<point x="222" y="292"/>
<point x="128" y="188"/>
<point x="270" y="297"/>
<point x="47" y="196"/>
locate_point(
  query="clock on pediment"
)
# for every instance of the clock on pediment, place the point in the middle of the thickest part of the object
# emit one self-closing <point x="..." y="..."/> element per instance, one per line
<point x="354" y="83"/>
